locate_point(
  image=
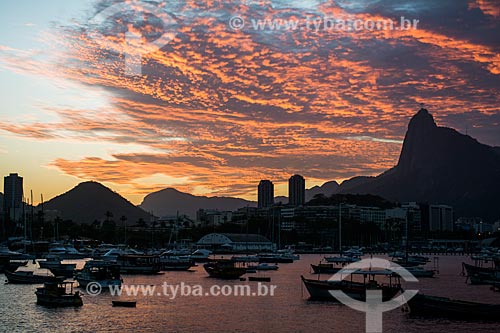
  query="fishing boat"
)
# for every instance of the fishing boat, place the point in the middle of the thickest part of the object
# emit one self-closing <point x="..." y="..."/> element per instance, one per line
<point x="26" y="277"/>
<point x="56" y="267"/>
<point x="124" y="304"/>
<point x="139" y="264"/>
<point x="175" y="263"/>
<point x="57" y="294"/>
<point x="224" y="269"/>
<point x="432" y="306"/>
<point x="320" y="289"/>
<point x="263" y="267"/>
<point x="103" y="272"/>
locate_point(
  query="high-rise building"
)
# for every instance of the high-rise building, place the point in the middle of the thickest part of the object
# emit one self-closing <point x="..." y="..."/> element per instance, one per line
<point x="296" y="190"/>
<point x="440" y="218"/>
<point x="13" y="196"/>
<point x="265" y="194"/>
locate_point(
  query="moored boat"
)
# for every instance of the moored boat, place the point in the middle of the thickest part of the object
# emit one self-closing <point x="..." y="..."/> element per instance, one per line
<point x="432" y="306"/>
<point x="481" y="275"/>
<point x="224" y="269"/>
<point x="6" y="264"/>
<point x="263" y="267"/>
<point x="103" y="272"/>
<point x="175" y="263"/>
<point x="201" y="255"/>
<point x="332" y="265"/>
<point x="55" y="293"/>
<point x="282" y="258"/>
<point x="26" y="277"/>
<point x="139" y="264"/>
<point x="57" y="268"/>
<point x="321" y="289"/>
<point x="125" y="304"/>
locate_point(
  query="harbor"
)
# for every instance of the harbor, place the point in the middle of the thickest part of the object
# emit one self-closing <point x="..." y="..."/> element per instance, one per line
<point x="291" y="304"/>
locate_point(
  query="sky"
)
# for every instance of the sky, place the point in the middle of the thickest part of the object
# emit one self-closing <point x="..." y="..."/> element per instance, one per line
<point x="209" y="97"/>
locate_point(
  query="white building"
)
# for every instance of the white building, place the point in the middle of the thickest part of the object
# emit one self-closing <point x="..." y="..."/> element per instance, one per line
<point x="236" y="242"/>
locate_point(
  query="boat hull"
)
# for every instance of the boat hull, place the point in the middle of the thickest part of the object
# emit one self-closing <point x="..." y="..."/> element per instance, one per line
<point x="320" y="290"/>
<point x="430" y="306"/>
<point x="224" y="272"/>
<point x="481" y="275"/>
<point x="58" y="301"/>
<point x="325" y="269"/>
<point x="22" y="278"/>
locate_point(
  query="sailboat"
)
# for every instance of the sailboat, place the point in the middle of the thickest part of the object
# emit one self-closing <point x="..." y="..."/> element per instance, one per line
<point x="333" y="264"/>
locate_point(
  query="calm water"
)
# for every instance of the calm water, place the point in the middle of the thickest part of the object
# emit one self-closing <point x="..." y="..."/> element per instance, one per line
<point x="287" y="311"/>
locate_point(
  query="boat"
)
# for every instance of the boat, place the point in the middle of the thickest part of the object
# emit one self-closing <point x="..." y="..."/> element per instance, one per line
<point x="263" y="267"/>
<point x="418" y="272"/>
<point x="433" y="306"/>
<point x="252" y="258"/>
<point x="114" y="253"/>
<point x="125" y="304"/>
<point x="200" y="255"/>
<point x="282" y="258"/>
<point x="139" y="264"/>
<point x="103" y="272"/>
<point x="14" y="255"/>
<point x="175" y="263"/>
<point x="343" y="260"/>
<point x="55" y="293"/>
<point x="7" y="264"/>
<point x="57" y="268"/>
<point x="224" y="269"/>
<point x="481" y="275"/>
<point x="333" y="264"/>
<point x="259" y="278"/>
<point x="65" y="252"/>
<point x="26" y="277"/>
<point x="320" y="289"/>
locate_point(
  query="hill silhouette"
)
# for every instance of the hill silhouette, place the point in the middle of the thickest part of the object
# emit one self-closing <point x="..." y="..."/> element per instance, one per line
<point x="89" y="201"/>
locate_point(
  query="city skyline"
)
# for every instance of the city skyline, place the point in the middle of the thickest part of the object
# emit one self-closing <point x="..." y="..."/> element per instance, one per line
<point x="220" y="107"/>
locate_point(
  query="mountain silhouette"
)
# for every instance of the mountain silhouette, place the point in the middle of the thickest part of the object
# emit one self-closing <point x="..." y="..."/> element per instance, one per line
<point x="440" y="165"/>
<point x="89" y="201"/>
<point x="170" y="201"/>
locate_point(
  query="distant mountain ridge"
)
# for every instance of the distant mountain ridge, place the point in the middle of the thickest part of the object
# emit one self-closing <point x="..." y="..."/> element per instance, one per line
<point x="440" y="165"/>
<point x="170" y="201"/>
<point x="90" y="201"/>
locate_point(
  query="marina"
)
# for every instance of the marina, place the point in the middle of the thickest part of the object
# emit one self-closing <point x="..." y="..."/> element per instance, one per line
<point x="291" y="303"/>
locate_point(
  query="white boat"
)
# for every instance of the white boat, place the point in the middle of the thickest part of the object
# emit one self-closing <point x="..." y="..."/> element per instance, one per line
<point x="263" y="267"/>
<point x="341" y="259"/>
<point x="200" y="255"/>
<point x="65" y="252"/>
<point x="113" y="254"/>
<point x="14" y="255"/>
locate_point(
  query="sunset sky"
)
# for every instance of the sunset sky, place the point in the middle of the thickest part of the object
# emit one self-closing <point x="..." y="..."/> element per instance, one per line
<point x="216" y="109"/>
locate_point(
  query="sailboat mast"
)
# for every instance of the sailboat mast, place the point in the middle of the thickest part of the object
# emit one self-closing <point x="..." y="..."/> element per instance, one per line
<point x="340" y="228"/>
